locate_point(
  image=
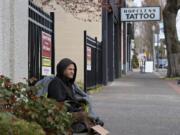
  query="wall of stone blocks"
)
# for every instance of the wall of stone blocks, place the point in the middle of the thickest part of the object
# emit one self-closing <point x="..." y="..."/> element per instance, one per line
<point x="14" y="39"/>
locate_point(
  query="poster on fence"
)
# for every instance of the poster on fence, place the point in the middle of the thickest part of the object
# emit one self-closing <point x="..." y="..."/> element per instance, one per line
<point x="46" y="54"/>
<point x="89" y="58"/>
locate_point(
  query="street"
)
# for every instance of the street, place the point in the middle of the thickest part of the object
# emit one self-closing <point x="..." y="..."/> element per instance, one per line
<point x="139" y="104"/>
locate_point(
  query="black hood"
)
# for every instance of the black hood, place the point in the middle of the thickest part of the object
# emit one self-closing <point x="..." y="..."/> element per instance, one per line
<point x="61" y="66"/>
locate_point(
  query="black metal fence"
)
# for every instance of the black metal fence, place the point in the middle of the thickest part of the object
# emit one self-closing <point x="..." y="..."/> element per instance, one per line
<point x="92" y="62"/>
<point x="41" y="25"/>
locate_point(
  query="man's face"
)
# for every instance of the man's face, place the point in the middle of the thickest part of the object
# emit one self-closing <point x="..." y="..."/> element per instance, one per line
<point x="69" y="71"/>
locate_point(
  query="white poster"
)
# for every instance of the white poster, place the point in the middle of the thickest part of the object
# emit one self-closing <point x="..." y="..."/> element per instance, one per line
<point x="89" y="58"/>
<point x="46" y="71"/>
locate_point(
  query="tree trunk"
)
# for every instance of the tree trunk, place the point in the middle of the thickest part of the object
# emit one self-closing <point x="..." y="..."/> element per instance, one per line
<point x="172" y="43"/>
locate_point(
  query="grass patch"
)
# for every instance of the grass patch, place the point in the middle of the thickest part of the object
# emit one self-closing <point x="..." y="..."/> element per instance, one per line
<point x="80" y="84"/>
<point x="171" y="78"/>
<point x="95" y="90"/>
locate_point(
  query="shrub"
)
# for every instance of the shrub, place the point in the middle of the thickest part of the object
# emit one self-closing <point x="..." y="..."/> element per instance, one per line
<point x="23" y="103"/>
<point x="135" y="62"/>
<point x="10" y="125"/>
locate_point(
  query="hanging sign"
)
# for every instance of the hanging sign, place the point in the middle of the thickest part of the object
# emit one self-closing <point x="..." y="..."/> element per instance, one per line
<point x="141" y="14"/>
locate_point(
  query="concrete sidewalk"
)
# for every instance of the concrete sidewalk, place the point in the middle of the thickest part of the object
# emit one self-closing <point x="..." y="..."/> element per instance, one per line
<point x="139" y="104"/>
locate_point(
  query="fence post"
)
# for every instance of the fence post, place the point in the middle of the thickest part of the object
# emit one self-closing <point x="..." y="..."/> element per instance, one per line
<point x="53" y="45"/>
<point x="85" y="62"/>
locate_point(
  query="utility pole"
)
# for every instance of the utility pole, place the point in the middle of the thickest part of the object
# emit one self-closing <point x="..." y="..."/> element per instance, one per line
<point x="154" y="53"/>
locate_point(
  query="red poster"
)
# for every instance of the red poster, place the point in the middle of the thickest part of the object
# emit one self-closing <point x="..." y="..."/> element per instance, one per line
<point x="46" y="45"/>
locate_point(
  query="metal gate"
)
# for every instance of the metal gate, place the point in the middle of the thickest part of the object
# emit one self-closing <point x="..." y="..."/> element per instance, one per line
<point x="40" y="42"/>
<point x="92" y="62"/>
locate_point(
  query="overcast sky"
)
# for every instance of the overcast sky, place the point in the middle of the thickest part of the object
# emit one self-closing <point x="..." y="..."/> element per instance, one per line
<point x="137" y="2"/>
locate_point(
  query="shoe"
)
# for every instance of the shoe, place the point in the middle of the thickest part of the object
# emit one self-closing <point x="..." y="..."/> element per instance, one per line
<point x="79" y="128"/>
<point x="99" y="122"/>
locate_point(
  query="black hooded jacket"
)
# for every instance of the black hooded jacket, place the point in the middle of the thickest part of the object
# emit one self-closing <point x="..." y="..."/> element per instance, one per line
<point x="60" y="88"/>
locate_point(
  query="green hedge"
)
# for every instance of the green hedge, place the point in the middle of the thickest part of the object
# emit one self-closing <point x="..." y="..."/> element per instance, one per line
<point x="24" y="104"/>
<point x="10" y="125"/>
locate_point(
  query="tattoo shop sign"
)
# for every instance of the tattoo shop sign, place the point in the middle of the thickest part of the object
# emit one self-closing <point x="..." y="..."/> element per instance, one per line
<point x="141" y="14"/>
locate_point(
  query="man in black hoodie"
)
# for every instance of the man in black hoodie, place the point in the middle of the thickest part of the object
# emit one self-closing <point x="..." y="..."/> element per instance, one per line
<point x="63" y="88"/>
<point x="60" y="87"/>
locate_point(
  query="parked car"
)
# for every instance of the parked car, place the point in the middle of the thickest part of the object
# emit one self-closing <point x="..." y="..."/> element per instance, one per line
<point x="162" y="63"/>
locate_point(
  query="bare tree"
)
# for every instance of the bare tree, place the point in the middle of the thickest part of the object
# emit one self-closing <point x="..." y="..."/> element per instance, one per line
<point x="171" y="38"/>
<point x="85" y="10"/>
<point x="146" y="30"/>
